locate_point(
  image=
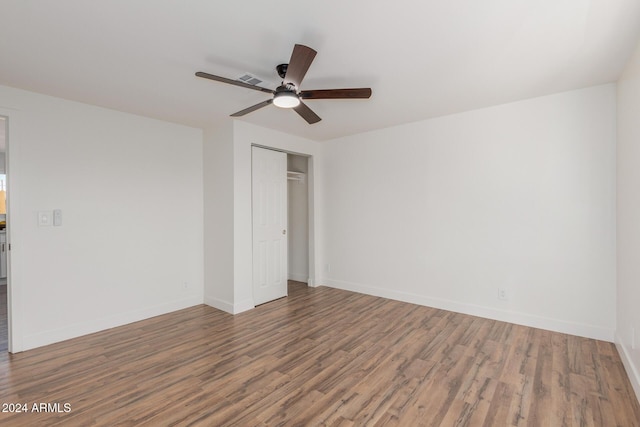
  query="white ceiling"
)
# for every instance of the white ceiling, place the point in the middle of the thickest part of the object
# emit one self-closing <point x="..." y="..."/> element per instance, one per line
<point x="421" y="58"/>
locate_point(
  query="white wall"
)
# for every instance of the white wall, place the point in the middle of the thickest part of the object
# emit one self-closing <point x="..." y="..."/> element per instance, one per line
<point x="298" y="227"/>
<point x="444" y="212"/>
<point x="628" y="307"/>
<point x="218" y="217"/>
<point x="130" y="191"/>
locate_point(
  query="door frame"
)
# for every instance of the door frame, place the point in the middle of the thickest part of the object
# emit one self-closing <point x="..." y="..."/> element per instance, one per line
<point x="14" y="295"/>
<point x="311" y="220"/>
<point x="244" y="137"/>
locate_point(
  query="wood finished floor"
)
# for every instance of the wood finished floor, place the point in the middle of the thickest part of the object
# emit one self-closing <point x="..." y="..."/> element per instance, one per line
<point x="322" y="357"/>
<point x="3" y="319"/>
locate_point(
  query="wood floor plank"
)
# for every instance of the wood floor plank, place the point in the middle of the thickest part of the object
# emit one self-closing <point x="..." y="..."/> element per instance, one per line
<point x="4" y="329"/>
<point x="539" y="413"/>
<point x="321" y="356"/>
<point x="498" y="413"/>
<point x="560" y="385"/>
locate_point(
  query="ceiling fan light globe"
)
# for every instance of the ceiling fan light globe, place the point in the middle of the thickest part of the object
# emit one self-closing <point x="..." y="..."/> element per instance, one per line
<point x="286" y="100"/>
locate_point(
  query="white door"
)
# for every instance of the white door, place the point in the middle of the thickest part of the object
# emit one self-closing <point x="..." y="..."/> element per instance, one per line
<point x="269" y="195"/>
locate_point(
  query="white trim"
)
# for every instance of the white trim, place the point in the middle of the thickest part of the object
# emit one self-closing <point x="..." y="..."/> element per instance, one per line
<point x="313" y="200"/>
<point x="228" y="307"/>
<point x="14" y="276"/>
<point x="79" y="329"/>
<point x="219" y="304"/>
<point x="298" y="277"/>
<point x="632" y="371"/>
<point x="556" y="325"/>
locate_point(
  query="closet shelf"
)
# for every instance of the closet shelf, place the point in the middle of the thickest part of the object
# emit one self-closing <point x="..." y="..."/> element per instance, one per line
<point x="296" y="176"/>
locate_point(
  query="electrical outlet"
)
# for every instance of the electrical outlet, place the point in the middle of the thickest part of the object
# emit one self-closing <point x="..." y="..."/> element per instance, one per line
<point x="327" y="268"/>
<point x="502" y="294"/>
<point x="185" y="286"/>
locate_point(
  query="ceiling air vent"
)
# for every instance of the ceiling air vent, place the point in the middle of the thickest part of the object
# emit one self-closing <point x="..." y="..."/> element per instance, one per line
<point x="249" y="79"/>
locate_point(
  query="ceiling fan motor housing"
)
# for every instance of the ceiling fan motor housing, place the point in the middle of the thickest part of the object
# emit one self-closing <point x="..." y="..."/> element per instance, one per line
<point x="282" y="70"/>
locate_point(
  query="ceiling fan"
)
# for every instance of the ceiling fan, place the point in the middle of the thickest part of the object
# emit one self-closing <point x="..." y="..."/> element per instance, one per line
<point x="288" y="94"/>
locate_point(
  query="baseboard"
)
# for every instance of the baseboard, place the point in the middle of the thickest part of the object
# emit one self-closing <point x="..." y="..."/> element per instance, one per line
<point x="525" y="319"/>
<point x="79" y="329"/>
<point x="228" y="307"/>
<point x="298" y="277"/>
<point x="219" y="304"/>
<point x="627" y="361"/>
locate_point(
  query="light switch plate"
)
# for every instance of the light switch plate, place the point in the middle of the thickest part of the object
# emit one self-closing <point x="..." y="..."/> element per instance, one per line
<point x="57" y="217"/>
<point x="44" y="218"/>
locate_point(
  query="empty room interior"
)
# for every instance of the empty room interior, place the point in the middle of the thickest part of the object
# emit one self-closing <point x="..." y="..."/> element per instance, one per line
<point x="292" y="213"/>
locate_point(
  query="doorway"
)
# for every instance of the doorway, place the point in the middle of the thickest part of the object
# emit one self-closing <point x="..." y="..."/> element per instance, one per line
<point x="298" y="217"/>
<point x="4" y="312"/>
<point x="280" y="222"/>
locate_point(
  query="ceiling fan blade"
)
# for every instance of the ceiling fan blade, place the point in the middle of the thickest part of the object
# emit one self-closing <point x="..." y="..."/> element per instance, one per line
<point x="336" y="93"/>
<point x="301" y="59"/>
<point x="306" y="113"/>
<point x="252" y="108"/>
<point x="233" y="82"/>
